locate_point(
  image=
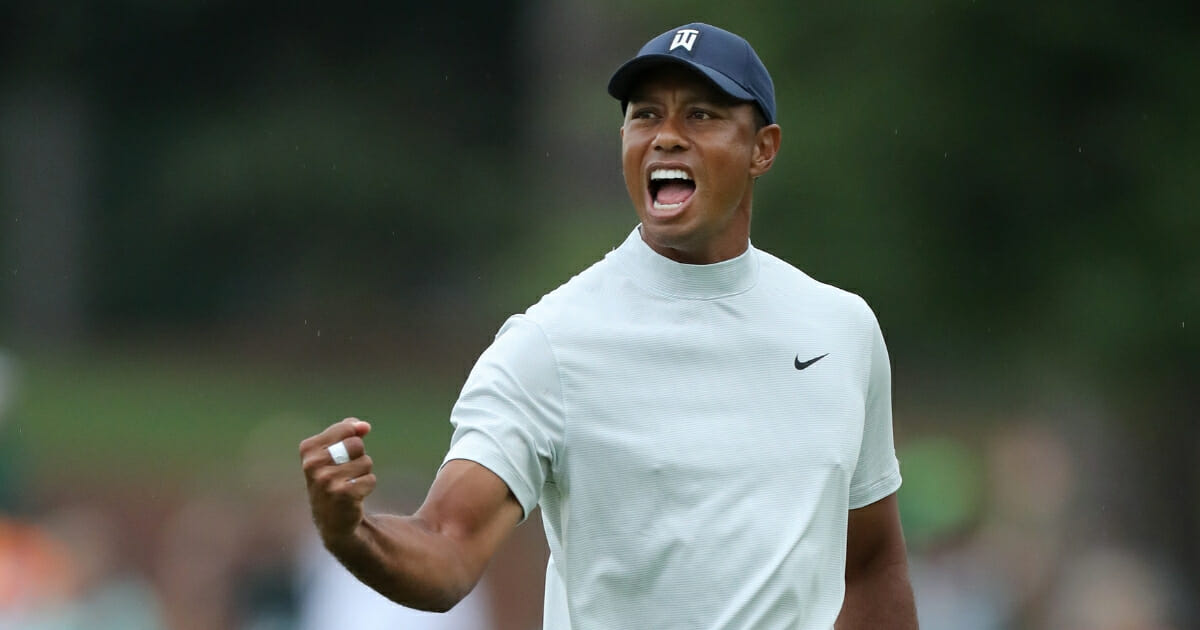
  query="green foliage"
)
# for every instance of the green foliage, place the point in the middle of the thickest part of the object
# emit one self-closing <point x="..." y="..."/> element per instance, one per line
<point x="991" y="177"/>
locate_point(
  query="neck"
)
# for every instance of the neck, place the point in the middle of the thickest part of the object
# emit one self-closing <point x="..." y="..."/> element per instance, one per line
<point x="726" y="241"/>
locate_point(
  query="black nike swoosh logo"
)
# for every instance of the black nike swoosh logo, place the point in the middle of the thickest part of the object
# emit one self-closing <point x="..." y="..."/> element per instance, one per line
<point x="800" y="365"/>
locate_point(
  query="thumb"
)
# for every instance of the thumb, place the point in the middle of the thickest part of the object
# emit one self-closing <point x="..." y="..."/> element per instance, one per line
<point x="360" y="427"/>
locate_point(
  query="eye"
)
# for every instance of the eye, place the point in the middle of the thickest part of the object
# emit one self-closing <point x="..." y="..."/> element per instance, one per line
<point x="701" y="114"/>
<point x="643" y="113"/>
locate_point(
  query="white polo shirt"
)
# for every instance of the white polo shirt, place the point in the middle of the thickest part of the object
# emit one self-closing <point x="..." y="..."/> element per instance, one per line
<point x="694" y="434"/>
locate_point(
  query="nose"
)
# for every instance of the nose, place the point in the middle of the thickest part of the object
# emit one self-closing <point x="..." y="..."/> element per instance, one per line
<point x="670" y="136"/>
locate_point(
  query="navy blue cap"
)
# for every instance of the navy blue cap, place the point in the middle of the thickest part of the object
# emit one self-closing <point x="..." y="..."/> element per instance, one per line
<point x="725" y="59"/>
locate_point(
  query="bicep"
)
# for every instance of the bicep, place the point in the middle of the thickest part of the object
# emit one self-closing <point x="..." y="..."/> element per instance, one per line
<point x="473" y="508"/>
<point x="874" y="536"/>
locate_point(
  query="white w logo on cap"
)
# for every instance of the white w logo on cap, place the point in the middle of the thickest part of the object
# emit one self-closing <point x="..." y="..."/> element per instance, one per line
<point x="684" y="37"/>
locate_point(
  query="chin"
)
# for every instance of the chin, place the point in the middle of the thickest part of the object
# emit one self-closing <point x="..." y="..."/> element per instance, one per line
<point x="666" y="234"/>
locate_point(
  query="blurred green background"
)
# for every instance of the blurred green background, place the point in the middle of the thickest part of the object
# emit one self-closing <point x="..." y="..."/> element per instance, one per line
<point x="225" y="225"/>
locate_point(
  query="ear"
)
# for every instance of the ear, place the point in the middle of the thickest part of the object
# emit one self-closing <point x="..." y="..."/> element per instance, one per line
<point x="766" y="147"/>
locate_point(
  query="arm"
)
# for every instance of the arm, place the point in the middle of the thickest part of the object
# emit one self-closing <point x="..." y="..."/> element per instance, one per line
<point x="429" y="560"/>
<point x="878" y="593"/>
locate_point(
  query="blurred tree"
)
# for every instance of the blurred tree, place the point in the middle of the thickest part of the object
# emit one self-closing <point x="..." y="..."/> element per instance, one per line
<point x="251" y="160"/>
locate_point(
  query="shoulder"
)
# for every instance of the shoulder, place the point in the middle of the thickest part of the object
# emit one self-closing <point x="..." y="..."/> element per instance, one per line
<point x="586" y="297"/>
<point x="790" y="283"/>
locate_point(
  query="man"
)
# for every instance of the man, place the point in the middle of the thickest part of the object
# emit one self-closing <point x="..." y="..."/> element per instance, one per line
<point x="706" y="429"/>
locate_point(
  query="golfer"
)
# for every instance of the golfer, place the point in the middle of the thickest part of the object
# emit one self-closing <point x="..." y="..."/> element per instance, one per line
<point x="707" y="429"/>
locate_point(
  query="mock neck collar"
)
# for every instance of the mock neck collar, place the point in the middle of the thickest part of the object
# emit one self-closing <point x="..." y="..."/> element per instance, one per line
<point x="660" y="274"/>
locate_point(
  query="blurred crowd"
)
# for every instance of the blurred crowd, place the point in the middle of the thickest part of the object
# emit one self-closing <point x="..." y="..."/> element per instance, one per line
<point x="992" y="525"/>
<point x="999" y="540"/>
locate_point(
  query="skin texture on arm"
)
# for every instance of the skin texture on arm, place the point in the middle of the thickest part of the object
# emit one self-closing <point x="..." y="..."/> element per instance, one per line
<point x="429" y="560"/>
<point x="878" y="592"/>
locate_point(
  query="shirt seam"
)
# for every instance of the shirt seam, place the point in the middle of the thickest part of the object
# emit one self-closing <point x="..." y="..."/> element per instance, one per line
<point x="866" y="495"/>
<point x="562" y="399"/>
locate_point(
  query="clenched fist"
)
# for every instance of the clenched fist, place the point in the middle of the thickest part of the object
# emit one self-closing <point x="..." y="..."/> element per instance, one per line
<point x="336" y="491"/>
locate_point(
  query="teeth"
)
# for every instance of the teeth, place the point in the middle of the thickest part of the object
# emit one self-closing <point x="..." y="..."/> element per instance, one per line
<point x="666" y="206"/>
<point x="669" y="173"/>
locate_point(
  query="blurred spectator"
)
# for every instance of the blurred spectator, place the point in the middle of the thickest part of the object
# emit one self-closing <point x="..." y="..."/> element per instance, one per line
<point x="92" y="588"/>
<point x="1026" y="536"/>
<point x="942" y="503"/>
<point x="10" y="450"/>
<point x="197" y="555"/>
<point x="65" y="575"/>
<point x="1111" y="589"/>
<point x="988" y="565"/>
<point x="34" y="572"/>
<point x="994" y="545"/>
<point x="277" y="525"/>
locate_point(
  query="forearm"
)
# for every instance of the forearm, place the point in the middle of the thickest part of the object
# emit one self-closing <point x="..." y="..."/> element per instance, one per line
<point x="406" y="561"/>
<point x="879" y="597"/>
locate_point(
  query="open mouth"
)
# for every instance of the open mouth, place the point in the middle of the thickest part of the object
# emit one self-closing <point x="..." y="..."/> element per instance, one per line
<point x="670" y="188"/>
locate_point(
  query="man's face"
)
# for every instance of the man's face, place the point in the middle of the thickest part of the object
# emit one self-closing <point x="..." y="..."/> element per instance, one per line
<point x="690" y="157"/>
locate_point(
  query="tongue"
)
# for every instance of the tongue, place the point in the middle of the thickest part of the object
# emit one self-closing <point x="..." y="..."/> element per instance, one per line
<point x="675" y="191"/>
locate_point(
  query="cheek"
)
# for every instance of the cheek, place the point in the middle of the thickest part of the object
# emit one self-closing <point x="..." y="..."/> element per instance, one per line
<point x="631" y="166"/>
<point x="731" y="168"/>
<point x="629" y="147"/>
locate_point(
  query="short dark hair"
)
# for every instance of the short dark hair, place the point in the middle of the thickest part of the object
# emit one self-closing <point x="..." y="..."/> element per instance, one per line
<point x="760" y="119"/>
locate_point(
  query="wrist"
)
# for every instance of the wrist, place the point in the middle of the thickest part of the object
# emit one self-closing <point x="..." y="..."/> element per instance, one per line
<point x="346" y="541"/>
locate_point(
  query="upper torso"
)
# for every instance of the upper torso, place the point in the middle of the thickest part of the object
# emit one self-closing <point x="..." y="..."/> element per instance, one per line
<point x="697" y="478"/>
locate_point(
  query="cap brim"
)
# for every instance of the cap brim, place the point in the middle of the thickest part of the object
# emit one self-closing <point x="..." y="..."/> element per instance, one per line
<point x="624" y="79"/>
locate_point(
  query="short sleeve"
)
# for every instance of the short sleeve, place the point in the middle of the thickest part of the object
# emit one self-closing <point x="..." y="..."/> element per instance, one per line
<point x="509" y="415"/>
<point x="877" y="473"/>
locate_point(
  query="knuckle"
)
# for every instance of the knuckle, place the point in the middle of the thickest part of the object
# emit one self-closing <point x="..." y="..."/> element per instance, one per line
<point x="323" y="477"/>
<point x="313" y="461"/>
<point x="306" y="444"/>
<point x="364" y="484"/>
<point x="354" y="445"/>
